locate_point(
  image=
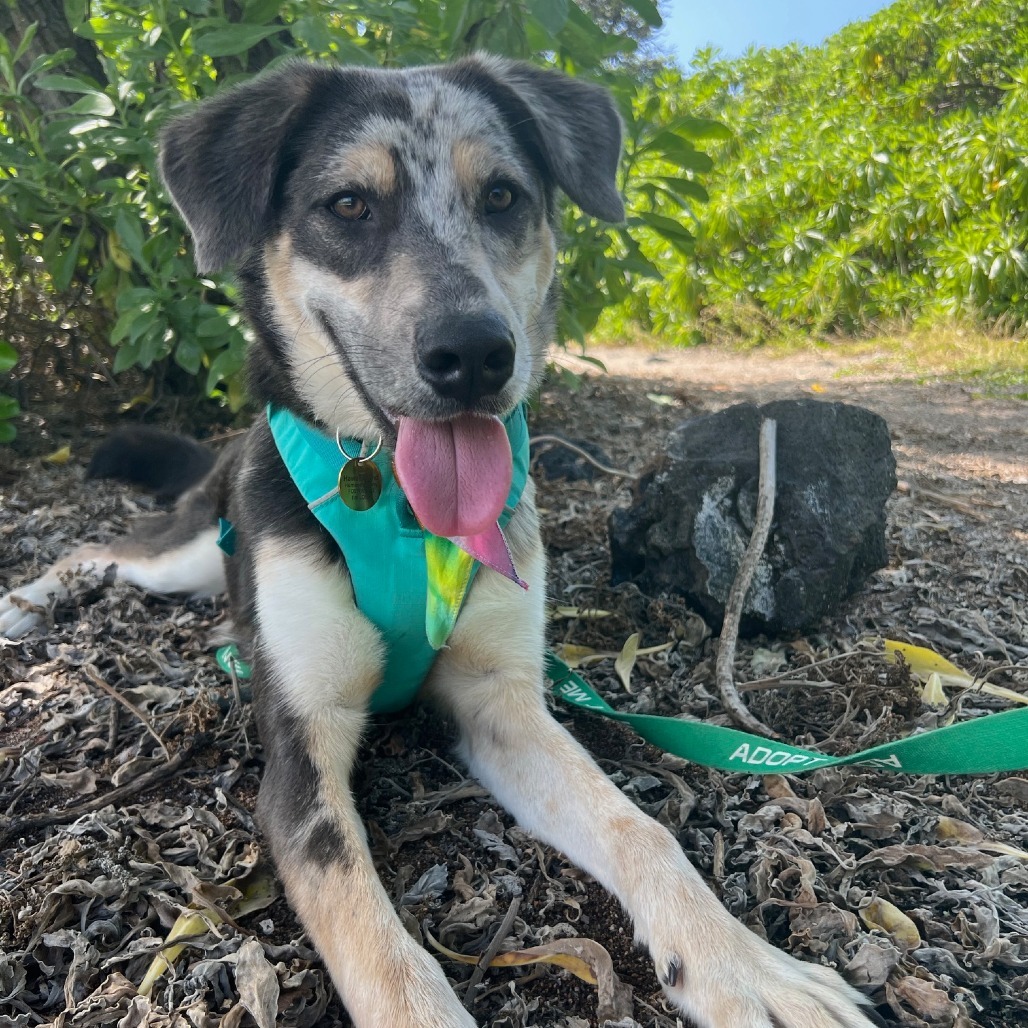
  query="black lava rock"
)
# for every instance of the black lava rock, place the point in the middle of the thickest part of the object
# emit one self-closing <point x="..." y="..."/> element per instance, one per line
<point x="692" y="517"/>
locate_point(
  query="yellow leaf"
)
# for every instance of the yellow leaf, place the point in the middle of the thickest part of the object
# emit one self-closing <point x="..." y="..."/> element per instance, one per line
<point x="958" y="831"/>
<point x="257" y="891"/>
<point x="573" y="655"/>
<point x="580" y="613"/>
<point x="949" y="828"/>
<point x="1004" y="849"/>
<point x="1006" y="694"/>
<point x="189" y="923"/>
<point x="816" y="387"/>
<point x="138" y="400"/>
<point x="61" y="456"/>
<point x="924" y="662"/>
<point x="882" y="914"/>
<point x="932" y="693"/>
<point x="626" y="660"/>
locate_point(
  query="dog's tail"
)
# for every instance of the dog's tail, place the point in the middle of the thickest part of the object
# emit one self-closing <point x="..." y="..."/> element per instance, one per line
<point x="161" y="462"/>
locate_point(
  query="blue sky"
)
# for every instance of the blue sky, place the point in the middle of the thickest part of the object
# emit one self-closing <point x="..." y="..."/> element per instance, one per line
<point x="735" y="24"/>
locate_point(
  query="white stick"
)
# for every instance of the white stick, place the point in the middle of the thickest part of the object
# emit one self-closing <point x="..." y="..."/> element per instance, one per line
<point x="725" y="668"/>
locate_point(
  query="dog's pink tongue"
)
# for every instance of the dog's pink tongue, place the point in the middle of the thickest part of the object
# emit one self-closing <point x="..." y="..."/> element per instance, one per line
<point x="456" y="474"/>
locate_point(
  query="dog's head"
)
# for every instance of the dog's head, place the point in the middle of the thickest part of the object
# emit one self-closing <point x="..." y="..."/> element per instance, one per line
<point x="396" y="228"/>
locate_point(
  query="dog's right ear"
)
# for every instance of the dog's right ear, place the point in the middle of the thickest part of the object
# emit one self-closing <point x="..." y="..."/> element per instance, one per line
<point x="222" y="160"/>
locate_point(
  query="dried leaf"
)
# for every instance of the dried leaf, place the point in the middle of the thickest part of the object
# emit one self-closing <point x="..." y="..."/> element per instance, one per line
<point x="1003" y="849"/>
<point x="138" y="400"/>
<point x="429" y="886"/>
<point x="626" y="660"/>
<point x="257" y="983"/>
<point x="925" y="999"/>
<point x="998" y="690"/>
<point x="880" y="913"/>
<point x="189" y="924"/>
<point x="929" y="858"/>
<point x="873" y="962"/>
<point x="584" y="958"/>
<point x="82" y="782"/>
<point x="580" y="613"/>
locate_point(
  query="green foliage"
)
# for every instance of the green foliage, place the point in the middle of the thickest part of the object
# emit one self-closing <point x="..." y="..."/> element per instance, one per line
<point x="81" y="208"/>
<point x="880" y="177"/>
<point x="9" y="408"/>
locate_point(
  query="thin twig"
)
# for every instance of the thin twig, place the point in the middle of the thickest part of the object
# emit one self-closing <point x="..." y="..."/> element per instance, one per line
<point x="487" y="957"/>
<point x="770" y="680"/>
<point x="787" y="683"/>
<point x="556" y="439"/>
<point x="725" y="668"/>
<point x="94" y="676"/>
<point x="222" y="437"/>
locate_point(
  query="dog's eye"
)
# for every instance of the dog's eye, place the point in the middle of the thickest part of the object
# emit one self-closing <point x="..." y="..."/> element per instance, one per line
<point x="350" y="207"/>
<point x="499" y="198"/>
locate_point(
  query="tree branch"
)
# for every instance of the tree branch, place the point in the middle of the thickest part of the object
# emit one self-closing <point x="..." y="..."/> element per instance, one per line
<point x="725" y="668"/>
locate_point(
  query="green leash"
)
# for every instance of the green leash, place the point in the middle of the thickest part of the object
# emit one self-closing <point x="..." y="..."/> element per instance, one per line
<point x="996" y="742"/>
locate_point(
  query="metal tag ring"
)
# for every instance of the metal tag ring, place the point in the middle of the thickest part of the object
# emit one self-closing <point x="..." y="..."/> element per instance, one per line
<point x="358" y="458"/>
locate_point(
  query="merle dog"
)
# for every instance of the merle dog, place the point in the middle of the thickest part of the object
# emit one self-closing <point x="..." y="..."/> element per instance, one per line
<point x="394" y="234"/>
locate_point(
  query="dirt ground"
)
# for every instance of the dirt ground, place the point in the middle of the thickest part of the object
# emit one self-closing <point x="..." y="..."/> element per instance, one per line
<point x="129" y="763"/>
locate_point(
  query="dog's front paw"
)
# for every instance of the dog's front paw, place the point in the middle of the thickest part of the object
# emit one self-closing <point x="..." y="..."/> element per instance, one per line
<point x="730" y="978"/>
<point x="21" y="611"/>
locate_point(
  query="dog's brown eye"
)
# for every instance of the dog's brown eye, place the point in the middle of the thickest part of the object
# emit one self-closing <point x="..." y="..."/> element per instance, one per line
<point x="500" y="198"/>
<point x="351" y="207"/>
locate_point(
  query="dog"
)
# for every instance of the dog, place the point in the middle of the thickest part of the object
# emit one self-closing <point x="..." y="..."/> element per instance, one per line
<point x="394" y="234"/>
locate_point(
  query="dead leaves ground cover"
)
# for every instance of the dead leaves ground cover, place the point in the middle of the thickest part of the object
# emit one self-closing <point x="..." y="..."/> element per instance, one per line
<point x="129" y="769"/>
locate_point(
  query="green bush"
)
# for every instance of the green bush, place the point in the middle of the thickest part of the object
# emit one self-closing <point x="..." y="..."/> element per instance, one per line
<point x="880" y="177"/>
<point x="81" y="209"/>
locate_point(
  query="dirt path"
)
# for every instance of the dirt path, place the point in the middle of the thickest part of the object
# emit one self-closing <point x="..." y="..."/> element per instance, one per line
<point x="940" y="428"/>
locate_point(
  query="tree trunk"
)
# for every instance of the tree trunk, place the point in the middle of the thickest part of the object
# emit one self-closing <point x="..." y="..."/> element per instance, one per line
<point x="53" y="33"/>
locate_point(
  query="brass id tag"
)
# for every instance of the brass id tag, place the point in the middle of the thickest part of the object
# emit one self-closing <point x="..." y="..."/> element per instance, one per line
<point x="360" y="483"/>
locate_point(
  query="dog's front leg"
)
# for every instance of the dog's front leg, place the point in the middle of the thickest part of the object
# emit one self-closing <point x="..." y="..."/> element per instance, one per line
<point x="317" y="661"/>
<point x="717" y="971"/>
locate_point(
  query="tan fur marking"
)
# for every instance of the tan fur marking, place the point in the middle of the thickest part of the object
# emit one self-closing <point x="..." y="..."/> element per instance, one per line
<point x="367" y="166"/>
<point x="318" y="373"/>
<point x="383" y="976"/>
<point x="473" y="162"/>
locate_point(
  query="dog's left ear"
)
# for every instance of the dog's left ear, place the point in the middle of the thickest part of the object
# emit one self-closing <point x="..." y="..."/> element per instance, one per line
<point x="578" y="127"/>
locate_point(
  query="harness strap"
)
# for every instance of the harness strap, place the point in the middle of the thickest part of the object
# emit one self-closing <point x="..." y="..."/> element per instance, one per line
<point x="408" y="582"/>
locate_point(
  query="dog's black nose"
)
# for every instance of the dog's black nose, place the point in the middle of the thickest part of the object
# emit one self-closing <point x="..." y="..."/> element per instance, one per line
<point x="467" y="357"/>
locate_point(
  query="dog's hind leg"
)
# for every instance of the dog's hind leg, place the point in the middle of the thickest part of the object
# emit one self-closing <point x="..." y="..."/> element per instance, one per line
<point x="316" y="662"/>
<point x="717" y="971"/>
<point x="174" y="552"/>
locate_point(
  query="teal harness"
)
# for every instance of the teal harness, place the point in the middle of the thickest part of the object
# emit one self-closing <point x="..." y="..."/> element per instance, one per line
<point x="384" y="547"/>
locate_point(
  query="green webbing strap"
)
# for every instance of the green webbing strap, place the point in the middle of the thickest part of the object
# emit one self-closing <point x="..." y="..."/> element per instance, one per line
<point x="995" y="742"/>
